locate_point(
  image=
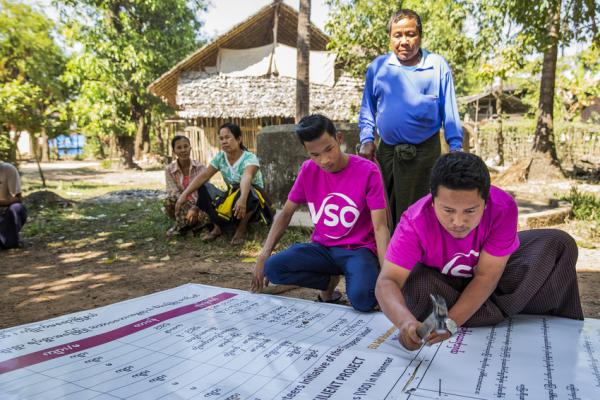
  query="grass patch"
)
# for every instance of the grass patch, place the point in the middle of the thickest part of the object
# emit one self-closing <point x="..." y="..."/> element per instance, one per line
<point x="106" y="164"/>
<point x="137" y="229"/>
<point x="586" y="213"/>
<point x="586" y="206"/>
<point x="80" y="190"/>
<point x="132" y="228"/>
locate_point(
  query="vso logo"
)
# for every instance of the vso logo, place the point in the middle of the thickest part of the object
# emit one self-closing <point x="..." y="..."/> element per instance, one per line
<point x="338" y="212"/>
<point x="456" y="269"/>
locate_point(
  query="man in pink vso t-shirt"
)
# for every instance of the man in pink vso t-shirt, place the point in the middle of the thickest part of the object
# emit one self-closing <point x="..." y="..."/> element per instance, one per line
<point x="346" y="200"/>
<point x="461" y="242"/>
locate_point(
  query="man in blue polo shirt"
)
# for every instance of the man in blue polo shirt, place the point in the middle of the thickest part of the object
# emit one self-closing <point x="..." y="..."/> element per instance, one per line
<point x="408" y="96"/>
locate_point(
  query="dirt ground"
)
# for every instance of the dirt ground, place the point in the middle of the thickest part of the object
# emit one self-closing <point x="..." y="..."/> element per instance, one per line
<point x="61" y="273"/>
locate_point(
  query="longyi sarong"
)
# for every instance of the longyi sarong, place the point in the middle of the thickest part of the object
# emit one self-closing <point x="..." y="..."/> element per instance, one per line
<point x="406" y="169"/>
<point x="539" y="278"/>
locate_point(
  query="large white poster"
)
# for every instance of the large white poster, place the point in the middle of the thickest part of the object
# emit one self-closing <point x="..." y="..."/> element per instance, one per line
<point x="202" y="342"/>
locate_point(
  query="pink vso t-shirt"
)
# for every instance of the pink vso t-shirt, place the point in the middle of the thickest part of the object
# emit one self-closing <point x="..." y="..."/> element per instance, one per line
<point x="420" y="238"/>
<point x="340" y="203"/>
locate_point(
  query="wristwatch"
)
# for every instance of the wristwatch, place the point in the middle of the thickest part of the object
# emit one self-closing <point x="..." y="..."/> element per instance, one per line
<point x="451" y="326"/>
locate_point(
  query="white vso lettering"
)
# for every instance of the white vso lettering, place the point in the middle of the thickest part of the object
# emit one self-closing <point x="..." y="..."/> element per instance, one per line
<point x="333" y="219"/>
<point x="347" y="215"/>
<point x="460" y="270"/>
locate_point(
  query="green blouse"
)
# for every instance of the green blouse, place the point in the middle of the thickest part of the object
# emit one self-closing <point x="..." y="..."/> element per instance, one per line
<point x="232" y="174"/>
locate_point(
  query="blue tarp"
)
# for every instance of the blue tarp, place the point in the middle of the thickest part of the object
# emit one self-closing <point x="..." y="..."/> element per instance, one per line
<point x="71" y="145"/>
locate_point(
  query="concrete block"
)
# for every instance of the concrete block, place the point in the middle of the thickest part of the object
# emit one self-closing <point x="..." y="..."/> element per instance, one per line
<point x="542" y="219"/>
<point x="281" y="156"/>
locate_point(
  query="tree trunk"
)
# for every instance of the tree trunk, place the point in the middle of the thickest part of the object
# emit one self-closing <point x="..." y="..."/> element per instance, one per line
<point x="101" y="152"/>
<point x="112" y="147"/>
<point x="499" y="133"/>
<point x="302" y="62"/>
<point x="8" y="146"/>
<point x="37" y="161"/>
<point x="476" y="130"/>
<point x="544" y="163"/>
<point x="146" y="135"/>
<point x="45" y="156"/>
<point x="159" y="138"/>
<point x="37" y="150"/>
<point x="125" y="147"/>
<point x="139" y="135"/>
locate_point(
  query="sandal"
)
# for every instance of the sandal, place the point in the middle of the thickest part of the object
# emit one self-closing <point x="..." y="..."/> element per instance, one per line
<point x="336" y="299"/>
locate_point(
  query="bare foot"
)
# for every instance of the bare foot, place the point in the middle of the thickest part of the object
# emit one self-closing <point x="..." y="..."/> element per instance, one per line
<point x="330" y="294"/>
<point x="236" y="241"/>
<point x="212" y="235"/>
<point x="239" y="236"/>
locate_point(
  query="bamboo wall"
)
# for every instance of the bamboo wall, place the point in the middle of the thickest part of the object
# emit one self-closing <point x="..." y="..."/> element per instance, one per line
<point x="204" y="133"/>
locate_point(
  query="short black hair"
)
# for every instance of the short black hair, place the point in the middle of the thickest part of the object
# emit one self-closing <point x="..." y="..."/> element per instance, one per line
<point x="313" y="126"/>
<point x="405" y="13"/>
<point x="235" y="131"/>
<point x="177" y="138"/>
<point x="460" y="171"/>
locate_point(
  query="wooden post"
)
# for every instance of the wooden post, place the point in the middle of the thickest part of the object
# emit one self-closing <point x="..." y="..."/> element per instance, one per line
<point x="303" y="61"/>
<point x="476" y="130"/>
<point x="499" y="133"/>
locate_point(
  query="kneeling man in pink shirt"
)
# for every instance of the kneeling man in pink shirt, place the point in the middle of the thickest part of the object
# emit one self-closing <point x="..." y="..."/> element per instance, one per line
<point x="461" y="242"/>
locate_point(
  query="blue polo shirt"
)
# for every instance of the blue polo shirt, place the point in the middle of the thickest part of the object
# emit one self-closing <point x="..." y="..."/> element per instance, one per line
<point x="409" y="104"/>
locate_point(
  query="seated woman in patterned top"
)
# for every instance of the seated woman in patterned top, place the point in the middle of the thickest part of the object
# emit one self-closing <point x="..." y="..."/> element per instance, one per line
<point x="244" y="200"/>
<point x="178" y="176"/>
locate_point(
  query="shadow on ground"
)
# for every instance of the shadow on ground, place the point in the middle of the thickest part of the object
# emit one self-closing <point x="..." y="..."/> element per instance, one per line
<point x="96" y="254"/>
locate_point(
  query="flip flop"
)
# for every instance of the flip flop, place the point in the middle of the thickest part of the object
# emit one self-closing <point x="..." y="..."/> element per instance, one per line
<point x="337" y="298"/>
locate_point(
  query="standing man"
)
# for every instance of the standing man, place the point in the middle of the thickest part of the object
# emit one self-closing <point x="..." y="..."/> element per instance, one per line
<point x="408" y="96"/>
<point x="12" y="213"/>
<point x="461" y="242"/>
<point x="346" y="200"/>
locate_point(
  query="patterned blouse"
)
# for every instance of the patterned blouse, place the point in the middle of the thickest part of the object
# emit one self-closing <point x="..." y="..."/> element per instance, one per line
<point x="232" y="174"/>
<point x="175" y="178"/>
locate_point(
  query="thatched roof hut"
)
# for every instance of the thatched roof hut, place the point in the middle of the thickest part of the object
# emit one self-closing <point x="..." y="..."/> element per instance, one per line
<point x="209" y="95"/>
<point x="247" y="76"/>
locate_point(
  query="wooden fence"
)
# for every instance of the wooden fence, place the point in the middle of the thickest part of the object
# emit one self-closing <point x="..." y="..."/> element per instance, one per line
<point x="574" y="141"/>
<point x="204" y="133"/>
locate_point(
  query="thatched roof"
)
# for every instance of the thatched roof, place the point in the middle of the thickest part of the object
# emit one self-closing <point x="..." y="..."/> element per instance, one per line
<point x="255" y="31"/>
<point x="201" y="94"/>
<point x="512" y="102"/>
<point x="507" y="90"/>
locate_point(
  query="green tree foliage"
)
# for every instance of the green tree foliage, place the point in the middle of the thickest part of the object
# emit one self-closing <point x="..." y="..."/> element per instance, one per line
<point x="358" y="31"/>
<point x="125" y="46"/>
<point x="578" y="83"/>
<point x="31" y="63"/>
<point x="547" y="24"/>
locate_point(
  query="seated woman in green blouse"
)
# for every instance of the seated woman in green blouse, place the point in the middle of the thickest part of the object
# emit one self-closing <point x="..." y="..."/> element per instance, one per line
<point x="245" y="199"/>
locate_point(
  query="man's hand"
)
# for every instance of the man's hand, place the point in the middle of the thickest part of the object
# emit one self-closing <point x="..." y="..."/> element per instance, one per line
<point x="259" y="281"/>
<point x="409" y="338"/>
<point x="367" y="150"/>
<point x="192" y="215"/>
<point x="434" y="337"/>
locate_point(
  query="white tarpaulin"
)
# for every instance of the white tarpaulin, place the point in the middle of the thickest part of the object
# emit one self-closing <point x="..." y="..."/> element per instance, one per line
<point x="256" y="61"/>
<point x="203" y="342"/>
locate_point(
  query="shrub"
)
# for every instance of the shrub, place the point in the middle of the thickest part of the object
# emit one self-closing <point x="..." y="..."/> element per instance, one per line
<point x="586" y="206"/>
